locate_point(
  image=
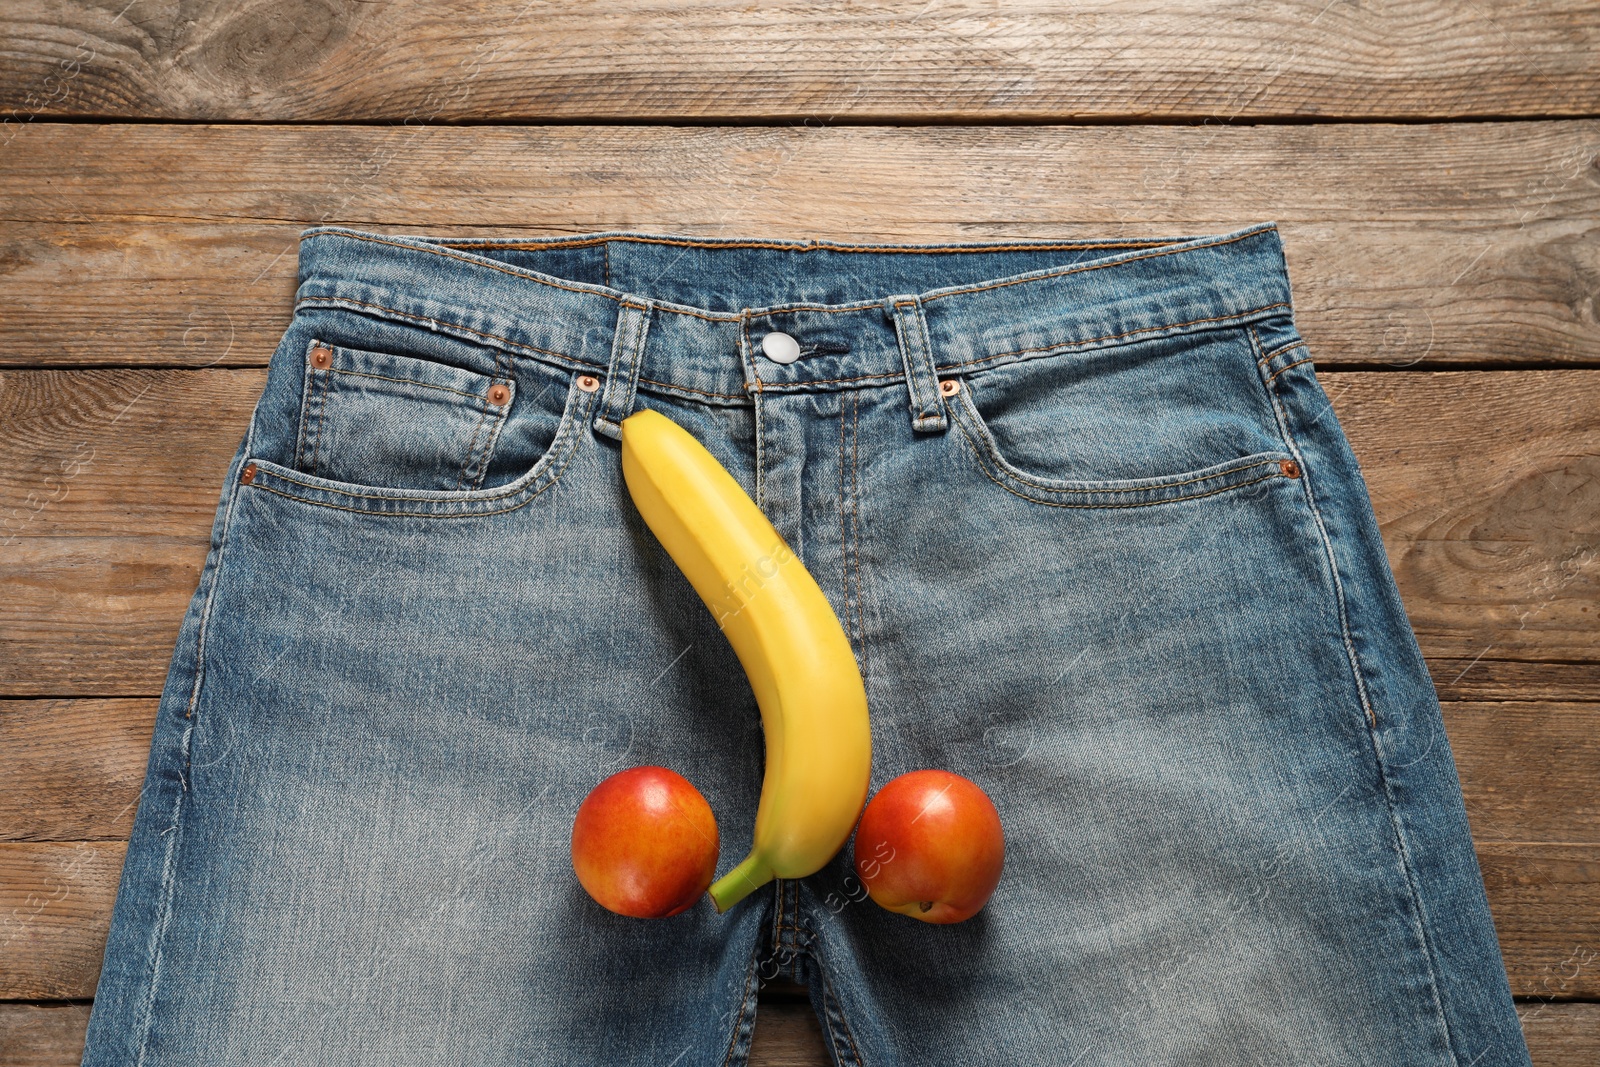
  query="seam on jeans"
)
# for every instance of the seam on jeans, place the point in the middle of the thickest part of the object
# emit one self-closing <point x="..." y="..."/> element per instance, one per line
<point x="1298" y="343"/>
<point x="1115" y="507"/>
<point x="844" y="521"/>
<point x="1291" y="366"/>
<point x="831" y="381"/>
<point x="804" y="246"/>
<point x="483" y="415"/>
<point x="323" y="383"/>
<point x="1001" y="463"/>
<point x="1064" y="345"/>
<point x="413" y="381"/>
<point x="744" y="1007"/>
<point x="1160" y="248"/>
<point x="687" y="389"/>
<point x="169" y="860"/>
<point x="831" y="1001"/>
<point x="605" y="249"/>
<point x="334" y="301"/>
<point x="747" y="362"/>
<point x="575" y="431"/>
<point x="320" y="301"/>
<point x="1327" y="547"/>
<point x="304" y="415"/>
<point x="473" y="446"/>
<point x="1396" y="830"/>
<point x="855" y="527"/>
<point x="524" y="275"/>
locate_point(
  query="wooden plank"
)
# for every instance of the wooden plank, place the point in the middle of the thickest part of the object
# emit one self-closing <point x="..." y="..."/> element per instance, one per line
<point x="1408" y="245"/>
<point x="74" y="768"/>
<point x="466" y="60"/>
<point x="1529" y="770"/>
<point x="42" y="1035"/>
<point x="1561" y="1035"/>
<point x="1546" y="904"/>
<point x="55" y="912"/>
<point x="56" y="898"/>
<point x="787" y="1034"/>
<point x="109" y="480"/>
<point x="1485" y="677"/>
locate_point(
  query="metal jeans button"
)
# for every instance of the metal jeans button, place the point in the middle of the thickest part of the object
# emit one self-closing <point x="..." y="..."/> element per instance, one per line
<point x="780" y="348"/>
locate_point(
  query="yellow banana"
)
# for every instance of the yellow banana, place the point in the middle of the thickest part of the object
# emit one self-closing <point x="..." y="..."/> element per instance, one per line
<point x="801" y="668"/>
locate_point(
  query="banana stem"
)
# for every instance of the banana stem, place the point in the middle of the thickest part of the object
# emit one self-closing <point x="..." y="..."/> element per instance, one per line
<point x="751" y="874"/>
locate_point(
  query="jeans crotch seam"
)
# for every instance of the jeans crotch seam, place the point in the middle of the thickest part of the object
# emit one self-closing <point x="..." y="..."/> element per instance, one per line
<point x="847" y="1052"/>
<point x="736" y="1040"/>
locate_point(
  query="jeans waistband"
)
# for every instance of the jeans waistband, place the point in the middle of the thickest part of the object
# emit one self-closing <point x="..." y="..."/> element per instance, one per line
<point x="687" y="314"/>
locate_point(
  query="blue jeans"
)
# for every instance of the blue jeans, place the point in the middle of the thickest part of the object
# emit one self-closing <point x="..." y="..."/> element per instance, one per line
<point x="1099" y="545"/>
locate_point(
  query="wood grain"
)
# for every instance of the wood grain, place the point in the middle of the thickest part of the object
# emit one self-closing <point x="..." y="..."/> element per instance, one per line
<point x="55" y="911"/>
<point x="966" y="61"/>
<point x="74" y="768"/>
<point x="109" y="480"/>
<point x="1462" y="244"/>
<point x="1485" y="677"/>
<point x="787" y="1034"/>
<point x="1546" y="904"/>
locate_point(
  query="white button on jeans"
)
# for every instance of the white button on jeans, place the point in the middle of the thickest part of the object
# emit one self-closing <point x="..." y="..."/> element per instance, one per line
<point x="780" y="348"/>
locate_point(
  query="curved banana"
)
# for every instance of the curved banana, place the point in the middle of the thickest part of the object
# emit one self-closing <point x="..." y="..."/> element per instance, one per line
<point x="804" y="674"/>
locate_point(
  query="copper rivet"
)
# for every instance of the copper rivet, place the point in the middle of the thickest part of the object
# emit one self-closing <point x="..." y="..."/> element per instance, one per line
<point x="248" y="475"/>
<point x="588" y="383"/>
<point x="321" y="357"/>
<point x="498" y="394"/>
<point x="1290" y="468"/>
<point x="949" y="387"/>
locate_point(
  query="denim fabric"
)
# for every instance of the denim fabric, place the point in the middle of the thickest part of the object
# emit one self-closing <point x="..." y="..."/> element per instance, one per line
<point x="1099" y="545"/>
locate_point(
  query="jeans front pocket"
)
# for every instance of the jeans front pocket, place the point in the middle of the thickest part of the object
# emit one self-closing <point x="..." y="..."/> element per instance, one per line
<point x="381" y="419"/>
<point x="1126" y="425"/>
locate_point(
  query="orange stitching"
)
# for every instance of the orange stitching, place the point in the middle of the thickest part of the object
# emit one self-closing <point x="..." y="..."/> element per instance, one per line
<point x="1291" y="366"/>
<point x="409" y="381"/>
<point x="687" y="389"/>
<point x="831" y="381"/>
<point x="855" y="517"/>
<point x="1064" y="345"/>
<point x="1131" y="489"/>
<point x="1277" y="351"/>
<point x="442" y="322"/>
<point x="971" y="411"/>
<point x="744" y="1006"/>
<point x="844" y="514"/>
<point x="1167" y="251"/>
<point x="1112" y="336"/>
<point x="1166" y="247"/>
<point x="553" y="471"/>
<point x="439" y="250"/>
<point x="804" y="246"/>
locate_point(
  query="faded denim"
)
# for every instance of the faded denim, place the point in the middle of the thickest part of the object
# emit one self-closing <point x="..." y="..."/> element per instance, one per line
<point x="1123" y="574"/>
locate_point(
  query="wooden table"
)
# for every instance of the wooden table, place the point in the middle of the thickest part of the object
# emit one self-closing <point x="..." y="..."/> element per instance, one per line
<point x="1435" y="168"/>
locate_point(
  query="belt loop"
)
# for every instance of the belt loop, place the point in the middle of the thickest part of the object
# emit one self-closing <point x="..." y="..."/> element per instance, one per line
<point x="622" y="377"/>
<point x="922" y="380"/>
